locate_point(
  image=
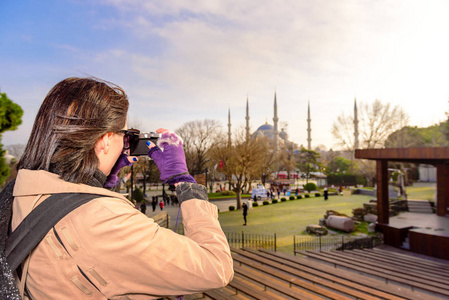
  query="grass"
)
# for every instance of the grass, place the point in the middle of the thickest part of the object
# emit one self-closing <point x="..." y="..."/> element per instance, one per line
<point x="292" y="217"/>
<point x="214" y="196"/>
<point x="422" y="191"/>
<point x="288" y="218"/>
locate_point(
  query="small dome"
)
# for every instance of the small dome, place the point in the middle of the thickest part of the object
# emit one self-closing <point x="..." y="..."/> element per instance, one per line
<point x="9" y="158"/>
<point x="265" y="127"/>
<point x="283" y="135"/>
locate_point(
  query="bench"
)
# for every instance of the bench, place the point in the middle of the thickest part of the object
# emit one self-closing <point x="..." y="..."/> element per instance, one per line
<point x="223" y="294"/>
<point x="386" y="268"/>
<point x="296" y="280"/>
<point x="415" y="264"/>
<point x="372" y="286"/>
<point x="392" y="254"/>
<point x="379" y="272"/>
<point x="246" y="287"/>
<point x="355" y="287"/>
<point x="276" y="285"/>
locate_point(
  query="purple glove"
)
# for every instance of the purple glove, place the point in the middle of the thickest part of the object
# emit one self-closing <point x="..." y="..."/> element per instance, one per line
<point x="121" y="162"/>
<point x="170" y="159"/>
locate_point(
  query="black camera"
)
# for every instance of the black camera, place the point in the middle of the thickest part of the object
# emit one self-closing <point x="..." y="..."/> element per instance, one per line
<point x="138" y="142"/>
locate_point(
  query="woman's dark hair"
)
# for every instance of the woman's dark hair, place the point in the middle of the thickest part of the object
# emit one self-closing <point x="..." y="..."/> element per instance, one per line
<point x="74" y="115"/>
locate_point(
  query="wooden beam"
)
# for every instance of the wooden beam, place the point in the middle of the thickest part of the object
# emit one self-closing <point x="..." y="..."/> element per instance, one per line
<point x="383" y="207"/>
<point x="426" y="155"/>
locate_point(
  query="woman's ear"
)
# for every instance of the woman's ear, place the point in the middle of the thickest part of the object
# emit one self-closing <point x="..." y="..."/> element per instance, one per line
<point x="103" y="144"/>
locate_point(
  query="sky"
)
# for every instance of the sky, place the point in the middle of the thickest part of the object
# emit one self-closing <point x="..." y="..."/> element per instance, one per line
<point x="182" y="61"/>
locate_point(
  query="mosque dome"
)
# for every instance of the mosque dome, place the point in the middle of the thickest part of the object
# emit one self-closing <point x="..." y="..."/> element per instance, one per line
<point x="265" y="127"/>
<point x="283" y="135"/>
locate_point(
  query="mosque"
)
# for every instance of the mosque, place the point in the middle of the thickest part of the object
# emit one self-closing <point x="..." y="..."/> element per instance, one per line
<point x="278" y="137"/>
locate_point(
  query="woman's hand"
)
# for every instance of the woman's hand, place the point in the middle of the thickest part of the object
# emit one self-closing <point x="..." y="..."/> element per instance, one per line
<point x="169" y="157"/>
<point x="122" y="161"/>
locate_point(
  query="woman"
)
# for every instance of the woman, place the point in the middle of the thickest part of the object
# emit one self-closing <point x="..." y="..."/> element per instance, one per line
<point x="106" y="249"/>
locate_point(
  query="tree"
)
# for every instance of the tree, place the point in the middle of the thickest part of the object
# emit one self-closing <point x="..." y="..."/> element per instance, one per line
<point x="241" y="160"/>
<point x="308" y="160"/>
<point x="432" y="136"/>
<point x="339" y="164"/>
<point x="286" y="158"/>
<point x="10" y="118"/>
<point x="198" y="138"/>
<point x="376" y="122"/>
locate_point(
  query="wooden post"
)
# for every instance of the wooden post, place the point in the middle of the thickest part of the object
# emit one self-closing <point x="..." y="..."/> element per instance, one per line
<point x="383" y="209"/>
<point x="442" y="195"/>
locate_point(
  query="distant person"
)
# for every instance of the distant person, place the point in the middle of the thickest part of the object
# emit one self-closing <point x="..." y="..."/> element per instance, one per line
<point x="245" y="212"/>
<point x="143" y="207"/>
<point x="326" y="193"/>
<point x="161" y="205"/>
<point x="154" y="203"/>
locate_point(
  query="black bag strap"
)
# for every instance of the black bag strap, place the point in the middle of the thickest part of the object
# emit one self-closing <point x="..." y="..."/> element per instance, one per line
<point x="39" y="221"/>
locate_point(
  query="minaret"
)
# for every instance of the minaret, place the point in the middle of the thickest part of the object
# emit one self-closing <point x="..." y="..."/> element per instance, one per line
<point x="229" y="127"/>
<point x="356" y="126"/>
<point x="275" y="121"/>
<point x="247" y="119"/>
<point x="309" y="128"/>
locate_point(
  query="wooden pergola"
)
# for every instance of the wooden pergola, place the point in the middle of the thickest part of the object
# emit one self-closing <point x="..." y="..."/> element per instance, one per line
<point x="438" y="157"/>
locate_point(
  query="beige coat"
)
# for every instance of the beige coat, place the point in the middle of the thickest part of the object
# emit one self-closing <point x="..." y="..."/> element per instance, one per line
<point x="106" y="249"/>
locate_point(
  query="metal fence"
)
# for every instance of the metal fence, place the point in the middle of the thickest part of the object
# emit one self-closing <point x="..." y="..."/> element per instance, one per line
<point x="250" y="240"/>
<point x="329" y="243"/>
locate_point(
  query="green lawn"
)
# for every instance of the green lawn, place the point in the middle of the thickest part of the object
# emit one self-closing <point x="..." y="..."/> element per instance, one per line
<point x="421" y="191"/>
<point x="292" y="217"/>
<point x="288" y="218"/>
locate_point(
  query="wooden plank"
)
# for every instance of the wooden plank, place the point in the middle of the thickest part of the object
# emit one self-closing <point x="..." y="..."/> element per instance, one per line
<point x="276" y="285"/>
<point x="438" y="264"/>
<point x="367" y="281"/>
<point x="413" y="262"/>
<point x="297" y="277"/>
<point x="370" y="287"/>
<point x="246" y="287"/>
<point x="223" y="294"/>
<point x="351" y="257"/>
<point x="408" y="280"/>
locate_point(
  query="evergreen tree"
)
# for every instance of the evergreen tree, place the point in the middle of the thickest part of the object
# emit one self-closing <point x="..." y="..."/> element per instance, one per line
<point x="10" y="118"/>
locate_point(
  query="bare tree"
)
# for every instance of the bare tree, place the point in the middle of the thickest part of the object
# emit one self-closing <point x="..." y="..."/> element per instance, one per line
<point x="199" y="137"/>
<point x="376" y="122"/>
<point x="242" y="160"/>
<point x="287" y="158"/>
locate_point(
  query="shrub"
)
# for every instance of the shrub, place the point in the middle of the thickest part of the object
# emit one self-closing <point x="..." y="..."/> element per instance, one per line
<point x="299" y="197"/>
<point x="310" y="187"/>
<point x="138" y="195"/>
<point x="307" y="195"/>
<point x="266" y="202"/>
<point x="317" y="194"/>
<point x="255" y="204"/>
<point x="291" y="198"/>
<point x="274" y="201"/>
<point x="227" y="193"/>
<point x="283" y="199"/>
<point x="231" y="208"/>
